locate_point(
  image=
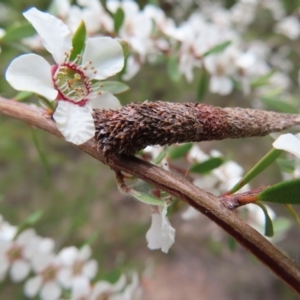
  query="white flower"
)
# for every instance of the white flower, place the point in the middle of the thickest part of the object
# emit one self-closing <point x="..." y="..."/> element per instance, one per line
<point x="72" y="83"/>
<point x="136" y="27"/>
<point x="47" y="268"/>
<point x="105" y="290"/>
<point x="161" y="234"/>
<point x="133" y="291"/>
<point x="289" y="26"/>
<point x="77" y="267"/>
<point x="221" y="66"/>
<point x="288" y="142"/>
<point x="16" y="255"/>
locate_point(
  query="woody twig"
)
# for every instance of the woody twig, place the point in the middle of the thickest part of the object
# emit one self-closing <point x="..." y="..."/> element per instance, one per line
<point x="177" y="186"/>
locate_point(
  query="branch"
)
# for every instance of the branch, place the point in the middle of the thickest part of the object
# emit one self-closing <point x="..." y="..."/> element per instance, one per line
<point x="177" y="186"/>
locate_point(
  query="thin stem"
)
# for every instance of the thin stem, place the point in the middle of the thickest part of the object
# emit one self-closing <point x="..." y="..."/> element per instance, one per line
<point x="177" y="186"/>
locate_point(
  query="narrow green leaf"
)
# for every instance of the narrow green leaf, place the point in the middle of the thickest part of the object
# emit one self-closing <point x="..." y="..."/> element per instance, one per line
<point x="203" y="85"/>
<point x="175" y="152"/>
<point x="268" y="159"/>
<point x="22" y="96"/>
<point x="91" y="239"/>
<point x="173" y="69"/>
<point x="46" y="102"/>
<point x="146" y="198"/>
<point x="287" y="192"/>
<point x="78" y="41"/>
<point x="42" y="155"/>
<point x="30" y="221"/>
<point x="217" y="49"/>
<point x="293" y="213"/>
<point x="286" y="165"/>
<point x="114" y="87"/>
<point x="118" y="19"/>
<point x="207" y="166"/>
<point x="126" y="47"/>
<point x="262" y="80"/>
<point x="268" y="222"/>
<point x="103" y="2"/>
<point x="160" y="157"/>
<point x="17" y="32"/>
<point x="280" y="105"/>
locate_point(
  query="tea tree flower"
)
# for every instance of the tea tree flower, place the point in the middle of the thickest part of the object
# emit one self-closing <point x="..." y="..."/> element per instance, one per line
<point x="73" y="84"/>
<point x="161" y="234"/>
<point x="46" y="267"/>
<point x="77" y="266"/>
<point x="15" y="255"/>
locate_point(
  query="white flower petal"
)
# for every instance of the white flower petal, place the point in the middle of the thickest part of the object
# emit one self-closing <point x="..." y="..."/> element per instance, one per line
<point x="32" y="73"/>
<point x="68" y="255"/>
<point x="105" y="101"/>
<point x="153" y="235"/>
<point x="19" y="270"/>
<point x="288" y="142"/>
<point x="25" y="236"/>
<point x="75" y="122"/>
<point x="85" y="252"/>
<point x="106" y="55"/>
<point x="65" y="277"/>
<point x="32" y="286"/>
<point x="56" y="36"/>
<point x="81" y="288"/>
<point x="50" y="291"/>
<point x="167" y="232"/>
<point x="161" y="234"/>
<point x="90" y="269"/>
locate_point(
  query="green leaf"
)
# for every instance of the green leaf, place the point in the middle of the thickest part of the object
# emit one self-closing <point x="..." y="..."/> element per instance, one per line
<point x="78" y="41"/>
<point x="118" y="19"/>
<point x="286" y="165"/>
<point x="103" y="2"/>
<point x="173" y="69"/>
<point x="30" y="221"/>
<point x="203" y="85"/>
<point x="287" y="192"/>
<point x="126" y="48"/>
<point x="217" y="49"/>
<point x="160" y="157"/>
<point x="22" y="96"/>
<point x="114" y="87"/>
<point x="262" y="80"/>
<point x="280" y="105"/>
<point x="91" y="239"/>
<point x="207" y="166"/>
<point x="146" y="198"/>
<point x="268" y="159"/>
<point x="268" y="222"/>
<point x="46" y="102"/>
<point x="293" y="213"/>
<point x="175" y="152"/>
<point x="18" y="31"/>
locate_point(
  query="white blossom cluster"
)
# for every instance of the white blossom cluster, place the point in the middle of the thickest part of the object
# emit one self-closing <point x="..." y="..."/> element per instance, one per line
<point x="69" y="274"/>
<point x="152" y="35"/>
